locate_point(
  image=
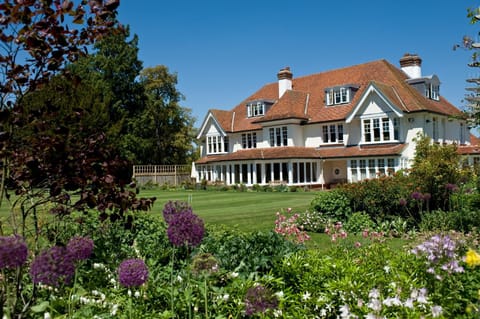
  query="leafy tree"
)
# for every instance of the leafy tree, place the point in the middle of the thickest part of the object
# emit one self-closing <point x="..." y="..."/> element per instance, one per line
<point x="52" y="144"/>
<point x="163" y="133"/>
<point x="114" y="68"/>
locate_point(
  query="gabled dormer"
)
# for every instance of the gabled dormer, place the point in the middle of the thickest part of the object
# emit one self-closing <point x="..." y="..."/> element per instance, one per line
<point x="341" y="94"/>
<point x="428" y="86"/>
<point x="258" y="108"/>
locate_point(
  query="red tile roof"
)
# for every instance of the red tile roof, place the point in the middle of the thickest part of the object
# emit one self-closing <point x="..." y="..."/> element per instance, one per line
<point x="306" y="100"/>
<point x="285" y="152"/>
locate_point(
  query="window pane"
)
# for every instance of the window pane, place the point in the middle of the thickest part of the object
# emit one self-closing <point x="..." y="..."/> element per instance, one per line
<point x="285" y="136"/>
<point x="272" y="137"/>
<point x="244" y="140"/>
<point x="340" y="132"/>
<point x="279" y="141"/>
<point x="376" y="130"/>
<point x="367" y="131"/>
<point x="386" y="129"/>
<point x="333" y="138"/>
<point x="325" y="133"/>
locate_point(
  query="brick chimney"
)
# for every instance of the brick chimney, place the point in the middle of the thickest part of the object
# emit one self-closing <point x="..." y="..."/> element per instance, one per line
<point x="411" y="64"/>
<point x="284" y="81"/>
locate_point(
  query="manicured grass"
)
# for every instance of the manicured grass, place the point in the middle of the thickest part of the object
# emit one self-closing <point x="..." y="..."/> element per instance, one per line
<point x="245" y="210"/>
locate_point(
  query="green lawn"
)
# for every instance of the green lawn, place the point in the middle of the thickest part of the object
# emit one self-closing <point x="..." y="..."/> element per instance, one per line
<point x="245" y="210"/>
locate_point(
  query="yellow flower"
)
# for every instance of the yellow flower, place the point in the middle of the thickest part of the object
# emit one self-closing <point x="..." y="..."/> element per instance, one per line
<point x="472" y="258"/>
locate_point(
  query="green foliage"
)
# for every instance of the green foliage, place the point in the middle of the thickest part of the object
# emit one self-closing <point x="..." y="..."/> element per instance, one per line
<point x="458" y="220"/>
<point x="162" y="133"/>
<point x="379" y="197"/>
<point x="434" y="167"/>
<point x="247" y="252"/>
<point x="358" y="222"/>
<point x="333" y="204"/>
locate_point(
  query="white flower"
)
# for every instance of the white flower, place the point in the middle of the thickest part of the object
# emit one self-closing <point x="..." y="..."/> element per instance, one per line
<point x="277" y="313"/>
<point x="386" y="269"/>
<point x="409" y="303"/>
<point x="306" y="296"/>
<point x="114" y="310"/>
<point x="422" y="296"/>
<point x="234" y="274"/>
<point x="392" y="301"/>
<point x="345" y="312"/>
<point x="279" y="294"/>
<point x="374" y="294"/>
<point x="137" y="294"/>
<point x="436" y="311"/>
<point x="99" y="266"/>
<point x="375" y="305"/>
<point x="179" y="278"/>
<point x="226" y="297"/>
<point x="46" y="315"/>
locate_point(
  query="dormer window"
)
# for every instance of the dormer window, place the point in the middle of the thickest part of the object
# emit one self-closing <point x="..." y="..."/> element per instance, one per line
<point x="257" y="108"/>
<point x="432" y="91"/>
<point x="339" y="94"/>
<point x="429" y="86"/>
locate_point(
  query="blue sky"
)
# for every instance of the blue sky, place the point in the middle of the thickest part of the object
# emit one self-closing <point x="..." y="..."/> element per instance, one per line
<point x="225" y="50"/>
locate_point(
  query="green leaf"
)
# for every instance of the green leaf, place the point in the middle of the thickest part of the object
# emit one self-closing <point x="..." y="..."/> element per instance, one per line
<point x="40" y="307"/>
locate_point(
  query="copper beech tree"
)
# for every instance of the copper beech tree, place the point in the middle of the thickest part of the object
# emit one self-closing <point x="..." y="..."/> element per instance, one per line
<point x="50" y="154"/>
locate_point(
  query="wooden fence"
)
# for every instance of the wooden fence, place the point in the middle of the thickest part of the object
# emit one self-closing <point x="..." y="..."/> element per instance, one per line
<point x="173" y="175"/>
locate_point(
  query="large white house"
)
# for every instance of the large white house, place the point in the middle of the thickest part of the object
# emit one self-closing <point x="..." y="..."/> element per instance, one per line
<point x="343" y="125"/>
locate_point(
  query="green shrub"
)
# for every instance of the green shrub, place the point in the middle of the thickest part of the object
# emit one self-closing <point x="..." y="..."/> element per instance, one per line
<point x="246" y="252"/>
<point x="458" y="220"/>
<point x="358" y="222"/>
<point x="333" y="204"/>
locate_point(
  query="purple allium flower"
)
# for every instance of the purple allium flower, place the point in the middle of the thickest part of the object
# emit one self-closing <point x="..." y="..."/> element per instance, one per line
<point x="402" y="202"/>
<point x="80" y="248"/>
<point x="13" y="251"/>
<point x="451" y="187"/>
<point x="185" y="229"/>
<point x="132" y="272"/>
<point x="417" y="196"/>
<point x="53" y="267"/>
<point x="175" y="207"/>
<point x="259" y="299"/>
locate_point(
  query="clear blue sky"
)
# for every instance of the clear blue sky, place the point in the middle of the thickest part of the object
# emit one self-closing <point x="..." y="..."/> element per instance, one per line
<point x="225" y="50"/>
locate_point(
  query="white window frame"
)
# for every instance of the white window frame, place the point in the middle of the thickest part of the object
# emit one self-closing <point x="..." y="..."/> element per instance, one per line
<point x="380" y="129"/>
<point x="332" y="133"/>
<point x="278" y="136"/>
<point x="368" y="168"/>
<point x="249" y="140"/>
<point x="216" y="144"/>
<point x="256" y="109"/>
<point x="336" y="96"/>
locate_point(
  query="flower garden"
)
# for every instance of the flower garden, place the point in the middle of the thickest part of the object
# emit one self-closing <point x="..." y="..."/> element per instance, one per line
<point x="398" y="246"/>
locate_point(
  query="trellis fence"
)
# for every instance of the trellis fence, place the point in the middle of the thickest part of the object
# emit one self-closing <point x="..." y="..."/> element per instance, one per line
<point x="173" y="175"/>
